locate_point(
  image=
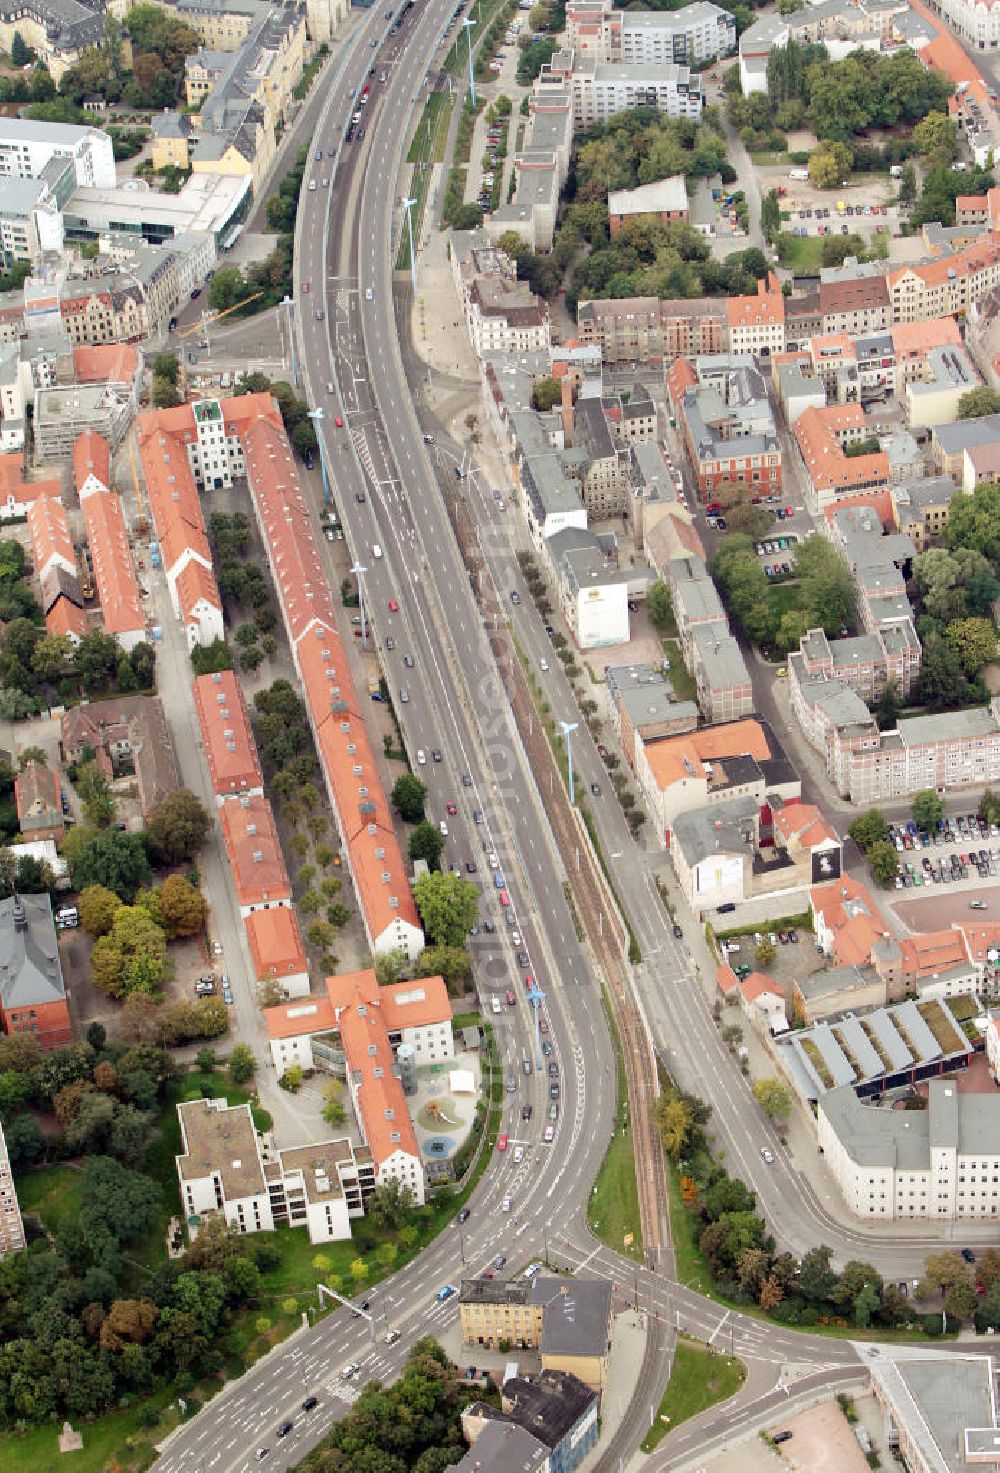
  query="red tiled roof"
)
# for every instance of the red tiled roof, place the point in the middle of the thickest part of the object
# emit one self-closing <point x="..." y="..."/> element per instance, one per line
<point x="15" y="491"/>
<point x="114" y="363"/>
<point x="65" y="617"/>
<point x="381" y="1106"/>
<point x="91" y="457"/>
<point x="255" y="858"/>
<point x="276" y="946"/>
<point x="852" y="915"/>
<point x="225" y="732"/>
<point x="111" y="557"/>
<point x="51" y="542"/>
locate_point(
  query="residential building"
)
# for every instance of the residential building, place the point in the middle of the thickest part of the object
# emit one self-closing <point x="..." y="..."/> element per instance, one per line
<point x="920" y="509"/>
<point x="38" y="796"/>
<point x="506" y="318"/>
<point x="939" y="1163"/>
<point x="107" y="538"/>
<point x="663" y="203"/>
<point x="725" y="692"/>
<point x="227" y="740"/>
<point x="568" y="1320"/>
<point x="277" y="951"/>
<point x="171" y="139"/>
<point x="18" y="494"/>
<point x="27" y="147"/>
<point x="949" y="443"/>
<point x="129" y="735"/>
<point x="555" y="1407"/>
<point x="650" y="330"/>
<point x="12" y="1238"/>
<point x="937" y="1411"/>
<point x="726" y="422"/>
<point x="854" y="304"/>
<point x="351" y="777"/>
<point x="56" y="568"/>
<point x="644" y="707"/>
<point x="32" y="990"/>
<point x="945" y="287"/>
<point x="601" y="90"/>
<point x="210" y="202"/>
<point x="822" y="437"/>
<point x="225" y="1167"/>
<point x="501" y="1446"/>
<point x="30" y="221"/>
<point x="699" y="32"/>
<point x="254" y="852"/>
<point x="367" y="1032"/>
<point x="713" y="765"/>
<point x="593" y="591"/>
<point x="63" y="413"/>
<point x="756" y="324"/>
<point x="177" y="448"/>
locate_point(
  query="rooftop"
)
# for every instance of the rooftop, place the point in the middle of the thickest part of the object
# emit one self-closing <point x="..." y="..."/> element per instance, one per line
<point x="220" y="1138"/>
<point x="30" y="970"/>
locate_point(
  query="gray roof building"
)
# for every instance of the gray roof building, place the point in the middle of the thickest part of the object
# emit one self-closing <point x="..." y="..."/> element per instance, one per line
<point x="30" y="970"/>
<point x="504" y="1447"/>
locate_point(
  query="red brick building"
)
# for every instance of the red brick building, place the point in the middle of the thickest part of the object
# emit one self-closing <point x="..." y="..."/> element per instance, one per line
<point x="32" y="990"/>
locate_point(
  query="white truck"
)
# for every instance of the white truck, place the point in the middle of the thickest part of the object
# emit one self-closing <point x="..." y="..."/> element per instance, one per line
<point x="801" y="174"/>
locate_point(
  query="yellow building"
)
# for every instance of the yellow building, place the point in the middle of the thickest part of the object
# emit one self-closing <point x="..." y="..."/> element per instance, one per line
<point x="171" y="132"/>
<point x="567" y="1320"/>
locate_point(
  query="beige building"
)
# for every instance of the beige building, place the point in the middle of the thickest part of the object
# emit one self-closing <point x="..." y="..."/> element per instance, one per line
<point x="568" y="1320"/>
<point x="11" y="1226"/>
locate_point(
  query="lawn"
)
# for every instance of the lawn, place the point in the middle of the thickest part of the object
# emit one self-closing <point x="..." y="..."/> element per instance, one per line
<point x="682" y="682"/>
<point x="767" y="156"/>
<point x="613" y="1209"/>
<point x="115" y="1440"/>
<point x="51" y="1192"/>
<point x="699" y="1379"/>
<point x="801" y="253"/>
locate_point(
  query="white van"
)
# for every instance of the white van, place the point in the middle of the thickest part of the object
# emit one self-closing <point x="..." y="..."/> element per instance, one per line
<point x="376" y="550"/>
<point x="495" y="1004"/>
<point x="67" y="917"/>
<point x="506" y="1204"/>
<point x="312" y="186"/>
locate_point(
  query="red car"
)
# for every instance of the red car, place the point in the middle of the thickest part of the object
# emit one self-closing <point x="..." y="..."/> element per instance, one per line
<point x="789" y="511"/>
<point x="451" y="809"/>
<point x="501" y="1143"/>
<point x="393" y="606"/>
<point x="529" y="982"/>
<point x="305" y="286"/>
<point x="511" y="1000"/>
<point x="338" y="421"/>
<point x="504" y="898"/>
<point x="544" y="1027"/>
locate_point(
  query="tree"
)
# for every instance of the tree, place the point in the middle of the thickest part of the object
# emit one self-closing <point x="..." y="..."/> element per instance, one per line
<point x="674" y="1120"/>
<point x="868" y="829"/>
<point x="52" y="656"/>
<point x="166" y="395"/>
<point x="390" y="1205"/>
<point x="890" y="703"/>
<point x="20" y="53"/>
<point x="884" y="862"/>
<point x="974" y="642"/>
<point x="98" y="907"/>
<point x="114" y="860"/>
<point x="771" y="1294"/>
<point x="936" y="139"/>
<point x="95" y="793"/>
<point x="764" y="952"/>
<point x="754" y="521"/>
<point x="546" y="394"/>
<point x="333" y="1111"/>
<point x="408" y="797"/>
<point x="128" y="1321"/>
<point x="977" y="402"/>
<point x="427" y="842"/>
<point x="448" y="907"/>
<point x="182" y="907"/>
<point x="659" y="606"/>
<point x="292" y="1078"/>
<point x="817" y="1280"/>
<point x="926" y="809"/>
<point x="25" y="1141"/>
<point x="830" y="165"/>
<point x="772" y="1097"/>
<point x="941" y="684"/>
<point x="132" y="956"/>
<point x="452" y="963"/>
<point x="949" y="1274"/>
<point x="178" y="828"/>
<point x="242" y="1063"/>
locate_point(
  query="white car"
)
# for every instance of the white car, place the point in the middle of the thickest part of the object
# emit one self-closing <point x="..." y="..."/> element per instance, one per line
<point x="494" y="862"/>
<point x="543" y="663"/>
<point x="444" y="830"/>
<point x="421" y="756"/>
<point x="518" y="1154"/>
<point x="506" y="1204"/>
<point x="495" y="1004"/>
<point x="766" y="1154"/>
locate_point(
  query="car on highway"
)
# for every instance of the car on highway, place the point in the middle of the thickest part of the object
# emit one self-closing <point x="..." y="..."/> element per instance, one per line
<point x="393" y="606"/>
<point x="450" y="808"/>
<point x="595" y="789"/>
<point x="767" y="1155"/>
<point x="547" y="1047"/>
<point x="227" y="996"/>
<point x="309" y="1403"/>
<point x="500" y="1260"/>
<point x="678" y="931"/>
<point x="408" y="661"/>
<point x="968" y="1255"/>
<point x="435" y="754"/>
<point x="511" y="999"/>
<point x="518" y="1155"/>
<point x="548" y="1134"/>
<point x="392" y="1337"/>
<point x="421" y="756"/>
<point x="338" y="421"/>
<point x="351" y="1369"/>
<point x="495" y="1005"/>
<point x="515" y="597"/>
<point x="526" y="1112"/>
<point x="318" y="314"/>
<point x="464" y="1215"/>
<point x="284" y="1428"/>
<point x="523" y="960"/>
<point x="501" y="1143"/>
<point x="404" y="694"/>
<point x="360" y="497"/>
<point x="216" y="948"/>
<point x="466" y="780"/>
<point x="261" y="1454"/>
<point x="543" y="664"/>
<point x="553" y="1090"/>
<point x="978" y="905"/>
<point x="506" y="1204"/>
<point x="504" y="899"/>
<point x="444" y="829"/>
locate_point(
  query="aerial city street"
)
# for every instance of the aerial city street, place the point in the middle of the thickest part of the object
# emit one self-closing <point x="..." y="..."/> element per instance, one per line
<point x="499" y="736"/>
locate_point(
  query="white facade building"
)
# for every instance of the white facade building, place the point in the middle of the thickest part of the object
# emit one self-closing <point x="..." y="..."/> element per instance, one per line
<point x="26" y="147"/>
<point x="602" y="90"/>
<point x="11" y="1226"/>
<point x="941" y="1163"/>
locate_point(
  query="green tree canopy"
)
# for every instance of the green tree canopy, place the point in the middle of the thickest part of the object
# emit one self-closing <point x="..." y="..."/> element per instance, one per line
<point x="408" y="797"/>
<point x="869" y="828"/>
<point x="178" y="828"/>
<point x="448" y="907"/>
<point x="114" y="860"/>
<point x="427" y="842"/>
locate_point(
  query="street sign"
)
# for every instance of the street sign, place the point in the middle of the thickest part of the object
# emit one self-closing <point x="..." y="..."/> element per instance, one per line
<point x="628" y="1239"/>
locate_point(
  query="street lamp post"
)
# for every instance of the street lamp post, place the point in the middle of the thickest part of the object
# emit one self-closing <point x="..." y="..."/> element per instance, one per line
<point x="289" y="307"/>
<point x="317" y="416"/>
<point x="468" y="24"/>
<point x="359" y="572"/>
<point x="408" y="207"/>
<point x="568" y="728"/>
<point x="536" y="997"/>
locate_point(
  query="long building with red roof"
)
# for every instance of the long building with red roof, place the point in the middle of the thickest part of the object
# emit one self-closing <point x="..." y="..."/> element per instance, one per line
<point x="110" y="553"/>
<point x="350" y="773"/>
<point x="56" y="568"/>
<point x="255" y="857"/>
<point x="177" y="449"/>
<point x="228" y="743"/>
<point x="370" y="1024"/>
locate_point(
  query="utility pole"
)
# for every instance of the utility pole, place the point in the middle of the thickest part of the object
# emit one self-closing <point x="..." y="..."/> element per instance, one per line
<point x="359" y="572"/>
<point x="568" y="728"/>
<point x="317" y="417"/>
<point x="408" y="207"/>
<point x="289" y="307"/>
<point x="468" y="24"/>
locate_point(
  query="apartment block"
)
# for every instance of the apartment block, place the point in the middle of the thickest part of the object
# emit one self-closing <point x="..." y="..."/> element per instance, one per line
<point x="12" y="1238"/>
<point x="822" y="437"/>
<point x="107" y="539"/>
<point x="128" y="734"/>
<point x="697" y="32"/>
<point x="27" y="147"/>
<point x="651" y="330"/>
<point x="567" y="1320"/>
<point x="601" y="90"/>
<point x="756" y="324"/>
<point x="946" y="287"/>
<point x="725" y="419"/>
<point x="56" y="569"/>
<point x="227" y="740"/>
<point x="663" y="202"/>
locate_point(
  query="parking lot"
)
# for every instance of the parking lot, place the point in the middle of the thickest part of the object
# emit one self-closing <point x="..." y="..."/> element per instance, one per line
<point x="794" y="959"/>
<point x="961" y="849"/>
